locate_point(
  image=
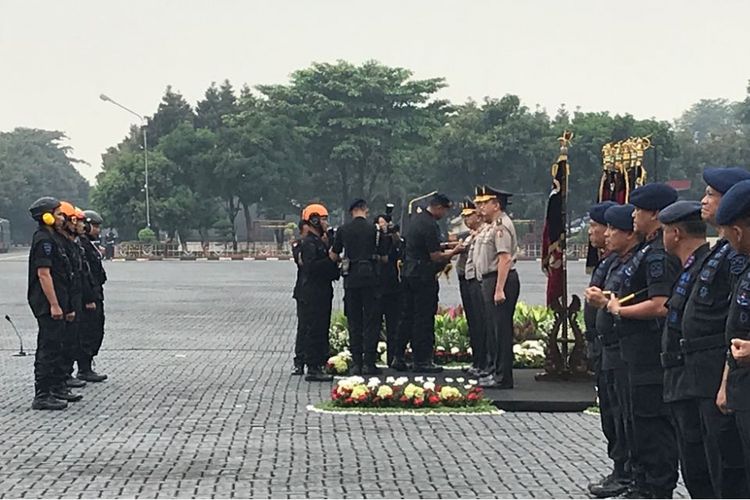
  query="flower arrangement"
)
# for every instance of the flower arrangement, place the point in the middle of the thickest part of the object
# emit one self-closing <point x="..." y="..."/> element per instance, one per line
<point x="529" y="354"/>
<point x="402" y="392"/>
<point x="339" y="364"/>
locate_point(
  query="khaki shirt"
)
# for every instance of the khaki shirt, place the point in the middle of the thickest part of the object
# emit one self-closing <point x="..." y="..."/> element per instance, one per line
<point x="494" y="239"/>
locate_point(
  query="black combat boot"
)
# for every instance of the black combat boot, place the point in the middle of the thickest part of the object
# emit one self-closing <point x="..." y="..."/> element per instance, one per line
<point x="44" y="401"/>
<point x="62" y="392"/>
<point x="609" y="486"/>
<point x="317" y="375"/>
<point x="91" y="376"/>
<point x="75" y="383"/>
<point x="298" y="370"/>
<point x="399" y="364"/>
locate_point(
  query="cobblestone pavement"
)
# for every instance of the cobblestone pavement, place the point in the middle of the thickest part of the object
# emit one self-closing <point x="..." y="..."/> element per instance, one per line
<point x="200" y="404"/>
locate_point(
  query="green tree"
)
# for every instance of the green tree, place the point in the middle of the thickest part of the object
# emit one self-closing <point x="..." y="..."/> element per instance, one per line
<point x="359" y="120"/>
<point x="34" y="163"/>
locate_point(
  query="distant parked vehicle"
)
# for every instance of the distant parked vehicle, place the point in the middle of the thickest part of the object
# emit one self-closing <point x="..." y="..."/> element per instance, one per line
<point x="4" y="236"/>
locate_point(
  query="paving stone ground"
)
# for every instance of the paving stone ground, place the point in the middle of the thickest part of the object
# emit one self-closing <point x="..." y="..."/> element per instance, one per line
<point x="200" y="404"/>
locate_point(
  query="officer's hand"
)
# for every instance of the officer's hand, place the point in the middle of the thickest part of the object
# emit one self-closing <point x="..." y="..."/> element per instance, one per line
<point x="595" y="297"/>
<point x="70" y="317"/>
<point x="91" y="306"/>
<point x="499" y="296"/>
<point x="741" y="351"/>
<point x="613" y="306"/>
<point x="721" y="399"/>
<point x="56" y="312"/>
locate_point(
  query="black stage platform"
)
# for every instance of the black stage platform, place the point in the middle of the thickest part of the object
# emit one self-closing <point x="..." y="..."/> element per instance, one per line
<point x="527" y="394"/>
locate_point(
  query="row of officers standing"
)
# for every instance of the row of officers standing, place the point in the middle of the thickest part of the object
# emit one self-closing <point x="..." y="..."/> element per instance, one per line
<point x="668" y="325"/>
<point x="394" y="280"/>
<point x="66" y="294"/>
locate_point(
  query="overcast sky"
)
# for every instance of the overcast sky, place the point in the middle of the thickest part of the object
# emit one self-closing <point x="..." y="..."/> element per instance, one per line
<point x="649" y="58"/>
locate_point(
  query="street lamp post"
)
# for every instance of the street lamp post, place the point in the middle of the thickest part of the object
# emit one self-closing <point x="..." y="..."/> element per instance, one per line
<point x="145" y="150"/>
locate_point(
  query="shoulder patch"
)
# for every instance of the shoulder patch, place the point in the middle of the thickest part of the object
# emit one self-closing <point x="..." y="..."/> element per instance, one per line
<point x="737" y="263"/>
<point x="47" y="248"/>
<point x="656" y="269"/>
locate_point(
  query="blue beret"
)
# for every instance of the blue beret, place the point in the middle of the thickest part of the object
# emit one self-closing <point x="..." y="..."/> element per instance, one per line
<point x="721" y="179"/>
<point x="734" y="204"/>
<point x="358" y="203"/>
<point x="596" y="212"/>
<point x="654" y="196"/>
<point x="682" y="210"/>
<point x="620" y="217"/>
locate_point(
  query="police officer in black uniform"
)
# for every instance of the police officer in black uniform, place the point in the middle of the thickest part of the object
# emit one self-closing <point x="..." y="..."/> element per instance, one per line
<point x="733" y="217"/>
<point x="316" y="292"/>
<point x="299" y="342"/>
<point x="364" y="245"/>
<point x="92" y="318"/>
<point x="704" y="346"/>
<point x="50" y="275"/>
<point x="389" y="291"/>
<point x="647" y="282"/>
<point x="684" y="235"/>
<point x="622" y="242"/>
<point x="614" y="483"/>
<point x="424" y="257"/>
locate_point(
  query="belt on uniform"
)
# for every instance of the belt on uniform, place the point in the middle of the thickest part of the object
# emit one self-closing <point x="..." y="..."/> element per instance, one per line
<point x="494" y="273"/>
<point x="671" y="359"/>
<point x="703" y="343"/>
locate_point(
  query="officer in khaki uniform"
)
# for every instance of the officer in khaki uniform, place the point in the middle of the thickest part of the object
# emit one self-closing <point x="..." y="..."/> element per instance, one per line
<point x="704" y="346"/>
<point x="494" y="259"/>
<point x="471" y="289"/>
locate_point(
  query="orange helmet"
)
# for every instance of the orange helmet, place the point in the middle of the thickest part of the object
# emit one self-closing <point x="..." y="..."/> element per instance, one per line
<point x="67" y="209"/>
<point x="314" y="208"/>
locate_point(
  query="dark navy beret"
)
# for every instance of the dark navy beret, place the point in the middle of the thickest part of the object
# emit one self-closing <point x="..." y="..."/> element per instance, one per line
<point x="734" y="204"/>
<point x="358" y="203"/>
<point x="721" y="179"/>
<point x="654" y="196"/>
<point x="620" y="217"/>
<point x="596" y="212"/>
<point x="682" y="210"/>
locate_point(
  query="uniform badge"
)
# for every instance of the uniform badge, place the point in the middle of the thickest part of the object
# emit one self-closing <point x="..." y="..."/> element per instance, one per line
<point x="742" y="300"/>
<point x="47" y="248"/>
<point x="737" y="264"/>
<point x="656" y="269"/>
<point x="703" y="292"/>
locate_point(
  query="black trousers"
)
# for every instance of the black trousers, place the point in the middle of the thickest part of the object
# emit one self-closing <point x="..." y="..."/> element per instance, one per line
<point x="621" y="393"/>
<point x="299" y="339"/>
<point x="654" y="446"/>
<point x="48" y="358"/>
<point x="419" y="300"/>
<point x="71" y="347"/>
<point x="742" y="418"/>
<point x="499" y="324"/>
<point x="471" y="298"/>
<point x="90" y="335"/>
<point x="390" y="310"/>
<point x="610" y="413"/>
<point x="361" y="308"/>
<point x="316" y="318"/>
<point x="693" y="464"/>
<point x="723" y="449"/>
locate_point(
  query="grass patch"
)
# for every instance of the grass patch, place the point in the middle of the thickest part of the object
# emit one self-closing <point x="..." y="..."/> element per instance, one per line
<point x="330" y="406"/>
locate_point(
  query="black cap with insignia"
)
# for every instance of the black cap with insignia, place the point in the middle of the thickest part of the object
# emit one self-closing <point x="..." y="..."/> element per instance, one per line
<point x="486" y="193"/>
<point x="681" y="211"/>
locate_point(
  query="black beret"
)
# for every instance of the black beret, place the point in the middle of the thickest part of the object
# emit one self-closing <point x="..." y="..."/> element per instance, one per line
<point x="440" y="200"/>
<point x="680" y="211"/>
<point x="596" y="212"/>
<point x="734" y="204"/>
<point x="653" y="196"/>
<point x="721" y="179"/>
<point x="358" y="203"/>
<point x="620" y="217"/>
